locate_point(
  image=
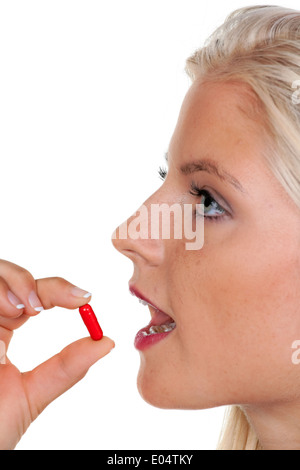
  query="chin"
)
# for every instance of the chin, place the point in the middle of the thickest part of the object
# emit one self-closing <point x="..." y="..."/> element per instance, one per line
<point x="153" y="395"/>
<point x="159" y="394"/>
<point x="164" y="392"/>
<point x="154" y="390"/>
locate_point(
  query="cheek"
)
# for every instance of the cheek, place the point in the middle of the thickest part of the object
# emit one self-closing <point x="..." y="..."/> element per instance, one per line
<point x="239" y="283"/>
<point x="239" y="312"/>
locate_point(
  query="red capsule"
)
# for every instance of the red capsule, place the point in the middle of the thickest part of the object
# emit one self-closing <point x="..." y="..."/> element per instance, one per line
<point x="91" y="322"/>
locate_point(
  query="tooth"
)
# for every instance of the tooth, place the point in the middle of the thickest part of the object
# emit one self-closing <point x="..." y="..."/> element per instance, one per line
<point x="155" y="329"/>
<point x="167" y="328"/>
<point x="161" y="328"/>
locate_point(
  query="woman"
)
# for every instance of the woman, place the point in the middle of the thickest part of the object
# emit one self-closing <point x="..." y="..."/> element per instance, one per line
<point x="224" y="318"/>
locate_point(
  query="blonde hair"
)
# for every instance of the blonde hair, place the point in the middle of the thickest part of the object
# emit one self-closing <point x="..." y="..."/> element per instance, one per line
<point x="259" y="46"/>
<point x="237" y="434"/>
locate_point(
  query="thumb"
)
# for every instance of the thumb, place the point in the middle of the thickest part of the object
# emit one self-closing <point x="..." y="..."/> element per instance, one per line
<point x="51" y="379"/>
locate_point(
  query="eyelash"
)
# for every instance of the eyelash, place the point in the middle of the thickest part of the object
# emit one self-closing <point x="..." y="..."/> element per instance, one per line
<point x="198" y="192"/>
<point x="162" y="173"/>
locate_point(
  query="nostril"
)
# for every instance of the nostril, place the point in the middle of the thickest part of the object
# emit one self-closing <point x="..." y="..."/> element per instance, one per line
<point x="133" y="255"/>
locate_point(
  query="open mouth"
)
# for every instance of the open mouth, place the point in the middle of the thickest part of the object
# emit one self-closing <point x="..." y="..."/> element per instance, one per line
<point x="160" y="326"/>
<point x="160" y="323"/>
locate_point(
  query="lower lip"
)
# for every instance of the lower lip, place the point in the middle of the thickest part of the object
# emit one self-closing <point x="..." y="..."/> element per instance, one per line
<point x="143" y="342"/>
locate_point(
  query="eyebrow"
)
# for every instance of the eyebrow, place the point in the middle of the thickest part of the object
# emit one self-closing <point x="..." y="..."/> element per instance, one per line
<point x="211" y="167"/>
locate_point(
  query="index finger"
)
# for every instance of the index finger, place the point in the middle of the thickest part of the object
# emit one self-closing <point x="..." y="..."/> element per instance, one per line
<point x="58" y="292"/>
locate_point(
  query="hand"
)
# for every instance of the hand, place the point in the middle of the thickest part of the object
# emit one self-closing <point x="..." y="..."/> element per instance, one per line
<point x="23" y="396"/>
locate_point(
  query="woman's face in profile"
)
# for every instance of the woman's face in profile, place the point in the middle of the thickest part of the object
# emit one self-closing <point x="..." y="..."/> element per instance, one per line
<point x="235" y="301"/>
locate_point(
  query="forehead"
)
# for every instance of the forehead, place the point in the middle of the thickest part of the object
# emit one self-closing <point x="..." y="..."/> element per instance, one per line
<point x="232" y="92"/>
<point x="230" y="105"/>
<point x="221" y="118"/>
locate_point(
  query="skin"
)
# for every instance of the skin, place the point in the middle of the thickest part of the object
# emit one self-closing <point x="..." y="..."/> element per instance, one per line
<point x="23" y="396"/>
<point x="236" y="301"/>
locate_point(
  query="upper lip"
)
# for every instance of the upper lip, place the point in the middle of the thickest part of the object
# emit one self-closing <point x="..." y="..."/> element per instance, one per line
<point x="138" y="294"/>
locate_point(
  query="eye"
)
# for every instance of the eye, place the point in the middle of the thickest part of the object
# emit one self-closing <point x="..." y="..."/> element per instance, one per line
<point x="211" y="207"/>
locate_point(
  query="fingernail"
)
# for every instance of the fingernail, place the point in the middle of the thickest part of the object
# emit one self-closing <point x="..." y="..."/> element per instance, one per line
<point x="35" y="302"/>
<point x="80" y="292"/>
<point x="2" y="352"/>
<point x="14" y="300"/>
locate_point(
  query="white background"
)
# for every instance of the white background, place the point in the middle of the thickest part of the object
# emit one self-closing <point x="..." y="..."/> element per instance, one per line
<point x="90" y="92"/>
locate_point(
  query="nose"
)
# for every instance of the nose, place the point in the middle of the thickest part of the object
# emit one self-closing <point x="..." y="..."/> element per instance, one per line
<point x="133" y="237"/>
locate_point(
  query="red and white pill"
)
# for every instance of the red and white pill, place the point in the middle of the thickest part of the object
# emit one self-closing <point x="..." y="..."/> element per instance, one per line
<point x="90" y="320"/>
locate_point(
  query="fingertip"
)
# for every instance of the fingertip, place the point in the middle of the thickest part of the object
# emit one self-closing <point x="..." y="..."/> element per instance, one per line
<point x="35" y="303"/>
<point x="93" y="351"/>
<point x="109" y="343"/>
<point x="80" y="293"/>
<point x="104" y="345"/>
<point x="15" y="307"/>
<point x="112" y="343"/>
<point x="15" y="301"/>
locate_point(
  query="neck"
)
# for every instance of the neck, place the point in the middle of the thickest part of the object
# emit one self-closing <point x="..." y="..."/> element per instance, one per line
<point x="276" y="426"/>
